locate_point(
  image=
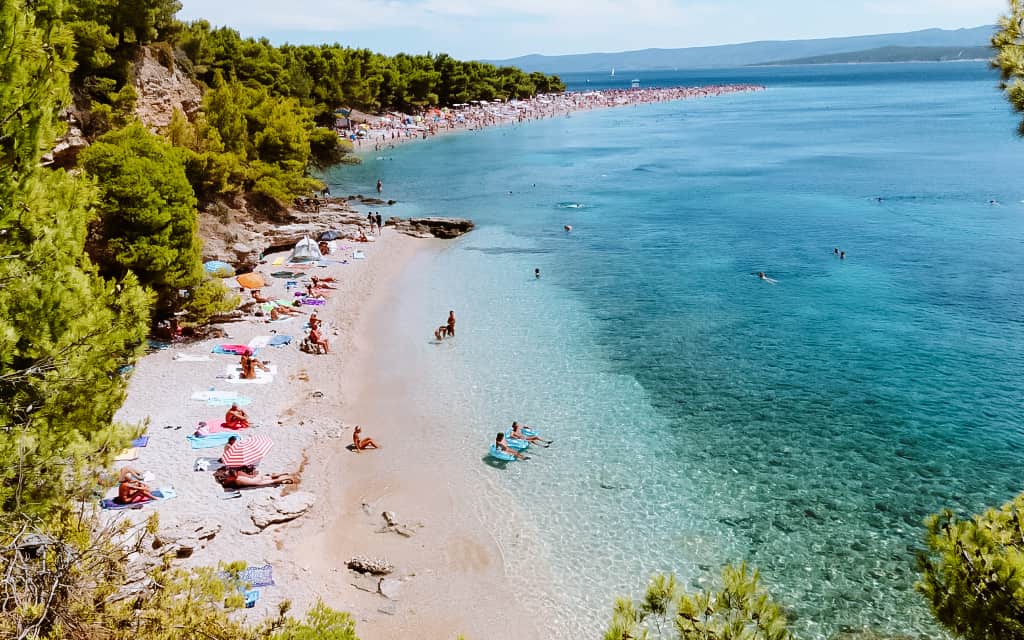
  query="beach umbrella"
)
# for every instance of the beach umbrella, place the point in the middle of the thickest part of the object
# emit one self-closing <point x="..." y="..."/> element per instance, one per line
<point x="219" y="269"/>
<point x="251" y="280"/>
<point x="244" y="453"/>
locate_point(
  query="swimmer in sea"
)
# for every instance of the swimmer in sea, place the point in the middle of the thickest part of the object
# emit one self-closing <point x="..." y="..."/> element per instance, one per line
<point x="536" y="273"/>
<point x="567" y="228"/>
<point x="835" y="251"/>
<point x="761" y="275"/>
<point x="842" y="255"/>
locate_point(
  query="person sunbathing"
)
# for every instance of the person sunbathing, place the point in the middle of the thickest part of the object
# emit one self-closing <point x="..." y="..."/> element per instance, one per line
<point x="318" y="340"/>
<point x="233" y="478"/>
<point x="249" y="366"/>
<point x="517" y="433"/>
<point x="499" y="442"/>
<point x="236" y="418"/>
<point x="278" y="312"/>
<point x="362" y="444"/>
<point x="134" y="491"/>
<point x="319" y="283"/>
<point x="258" y="297"/>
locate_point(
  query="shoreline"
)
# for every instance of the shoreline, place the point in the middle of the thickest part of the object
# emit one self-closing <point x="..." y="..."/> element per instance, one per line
<point x="500" y="114"/>
<point x="450" y="564"/>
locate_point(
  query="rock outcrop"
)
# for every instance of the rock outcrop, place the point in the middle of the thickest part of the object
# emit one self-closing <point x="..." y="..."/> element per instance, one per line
<point x="445" y="228"/>
<point x="162" y="87"/>
<point x="278" y="509"/>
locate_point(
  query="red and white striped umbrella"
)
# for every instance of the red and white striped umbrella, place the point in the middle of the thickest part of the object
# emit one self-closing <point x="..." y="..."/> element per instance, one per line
<point x="249" y="451"/>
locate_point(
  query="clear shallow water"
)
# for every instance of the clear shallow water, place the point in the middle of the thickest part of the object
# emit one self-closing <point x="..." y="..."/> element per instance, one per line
<point x="704" y="416"/>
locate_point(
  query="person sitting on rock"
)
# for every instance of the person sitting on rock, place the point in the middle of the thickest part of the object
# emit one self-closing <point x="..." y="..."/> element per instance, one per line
<point x="318" y="340"/>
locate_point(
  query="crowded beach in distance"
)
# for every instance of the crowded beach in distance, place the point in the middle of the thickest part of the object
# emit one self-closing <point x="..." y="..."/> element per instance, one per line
<point x="370" y="132"/>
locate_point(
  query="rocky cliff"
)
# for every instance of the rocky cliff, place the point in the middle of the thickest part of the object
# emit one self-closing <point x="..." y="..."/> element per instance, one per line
<point x="162" y="87"/>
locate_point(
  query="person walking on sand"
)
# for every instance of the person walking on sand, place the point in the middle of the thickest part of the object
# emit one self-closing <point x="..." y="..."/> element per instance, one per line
<point x="380" y="185"/>
<point x="451" y="324"/>
<point x="380" y="222"/>
<point x="362" y="444"/>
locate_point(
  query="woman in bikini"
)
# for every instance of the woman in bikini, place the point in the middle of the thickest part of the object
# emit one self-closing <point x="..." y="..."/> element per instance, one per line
<point x="362" y="444"/>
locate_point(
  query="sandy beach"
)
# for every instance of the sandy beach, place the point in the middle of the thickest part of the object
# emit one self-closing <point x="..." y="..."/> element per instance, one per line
<point x="449" y="573"/>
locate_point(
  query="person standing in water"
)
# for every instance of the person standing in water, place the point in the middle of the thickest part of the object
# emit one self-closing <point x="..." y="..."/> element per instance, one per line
<point x="380" y="185"/>
<point x="451" y="324"/>
<point x="536" y="273"/>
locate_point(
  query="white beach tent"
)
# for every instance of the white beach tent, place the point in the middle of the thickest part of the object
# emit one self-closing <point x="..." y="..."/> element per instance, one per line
<point x="306" y="250"/>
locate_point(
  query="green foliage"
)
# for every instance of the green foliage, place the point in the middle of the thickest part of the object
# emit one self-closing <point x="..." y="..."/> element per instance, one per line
<point x="326" y="77"/>
<point x="148" y="219"/>
<point x="64" y="330"/>
<point x="973" y="572"/>
<point x="321" y="623"/>
<point x="207" y="299"/>
<point x="740" y="610"/>
<point x="1009" y="45"/>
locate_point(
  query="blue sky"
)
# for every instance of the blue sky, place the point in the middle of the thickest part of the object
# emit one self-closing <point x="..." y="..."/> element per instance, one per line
<point x="506" y="28"/>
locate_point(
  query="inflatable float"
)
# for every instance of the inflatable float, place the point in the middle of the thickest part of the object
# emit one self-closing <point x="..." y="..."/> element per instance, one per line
<point x="498" y="454"/>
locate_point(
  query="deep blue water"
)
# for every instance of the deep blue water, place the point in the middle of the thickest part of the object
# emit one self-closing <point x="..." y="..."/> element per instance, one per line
<point x="705" y="416"/>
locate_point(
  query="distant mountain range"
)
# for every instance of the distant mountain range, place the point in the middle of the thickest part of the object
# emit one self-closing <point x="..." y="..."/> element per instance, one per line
<point x="930" y="44"/>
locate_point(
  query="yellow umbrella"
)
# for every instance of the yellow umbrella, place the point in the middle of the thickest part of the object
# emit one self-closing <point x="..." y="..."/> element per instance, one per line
<point x="251" y="280"/>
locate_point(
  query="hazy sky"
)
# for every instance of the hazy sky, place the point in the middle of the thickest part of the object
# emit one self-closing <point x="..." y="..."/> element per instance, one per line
<point x="506" y="28"/>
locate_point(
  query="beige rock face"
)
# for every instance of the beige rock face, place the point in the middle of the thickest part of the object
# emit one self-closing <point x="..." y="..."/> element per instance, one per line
<point x="161" y="90"/>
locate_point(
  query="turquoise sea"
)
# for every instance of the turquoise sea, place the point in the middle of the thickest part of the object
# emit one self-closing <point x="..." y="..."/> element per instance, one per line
<point x="703" y="416"/>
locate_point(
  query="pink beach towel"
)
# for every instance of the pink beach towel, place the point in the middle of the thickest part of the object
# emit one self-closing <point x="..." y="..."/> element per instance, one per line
<point x="213" y="425"/>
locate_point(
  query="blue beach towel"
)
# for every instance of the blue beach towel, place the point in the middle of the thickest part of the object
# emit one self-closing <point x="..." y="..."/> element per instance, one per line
<point x="241" y="401"/>
<point x="280" y="341"/>
<point x="210" y="441"/>
<point x="141" y="441"/>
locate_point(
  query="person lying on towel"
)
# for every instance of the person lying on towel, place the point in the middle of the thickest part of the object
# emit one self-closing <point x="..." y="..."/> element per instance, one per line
<point x="233" y="478"/>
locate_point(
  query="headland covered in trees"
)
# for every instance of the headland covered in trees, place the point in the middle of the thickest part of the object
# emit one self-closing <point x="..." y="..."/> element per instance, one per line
<point x="101" y="238"/>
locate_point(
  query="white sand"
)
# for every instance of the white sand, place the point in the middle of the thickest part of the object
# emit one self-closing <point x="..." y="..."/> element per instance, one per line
<point x="452" y="572"/>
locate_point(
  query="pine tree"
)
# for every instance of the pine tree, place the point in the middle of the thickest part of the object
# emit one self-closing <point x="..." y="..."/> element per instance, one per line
<point x="65" y="332"/>
<point x="148" y="220"/>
